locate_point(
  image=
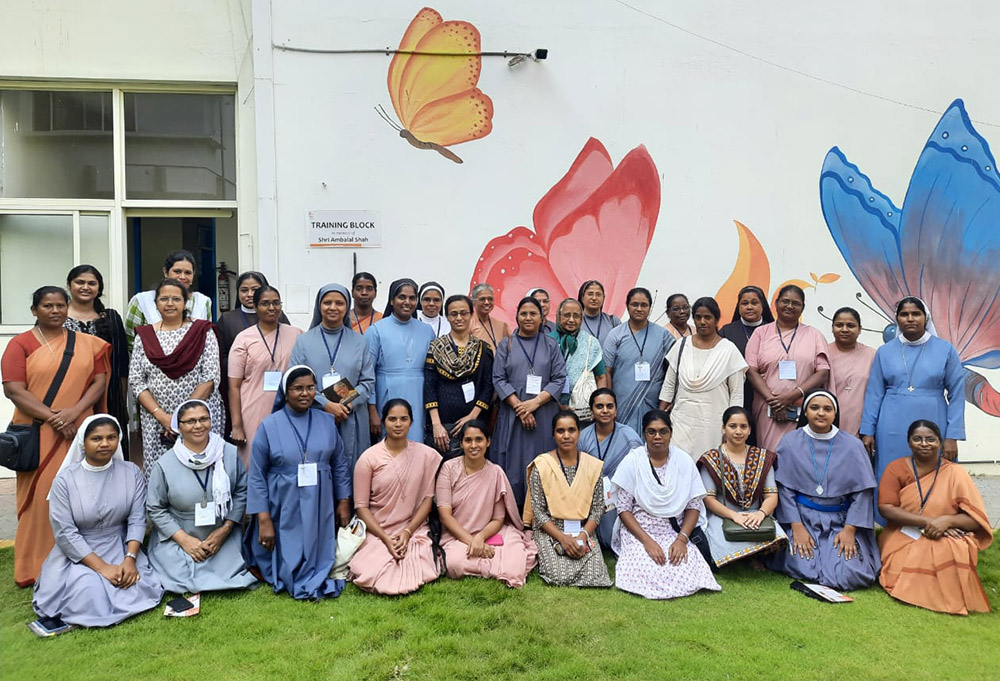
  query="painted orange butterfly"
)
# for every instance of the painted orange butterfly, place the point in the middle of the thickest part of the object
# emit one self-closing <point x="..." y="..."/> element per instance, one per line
<point x="435" y="96"/>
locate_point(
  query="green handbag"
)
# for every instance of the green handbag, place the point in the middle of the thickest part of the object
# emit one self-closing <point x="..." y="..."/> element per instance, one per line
<point x="733" y="531"/>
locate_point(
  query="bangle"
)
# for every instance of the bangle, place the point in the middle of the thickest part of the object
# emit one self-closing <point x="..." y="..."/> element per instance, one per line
<point x="801" y="391"/>
<point x="155" y="410"/>
<point x="129" y="554"/>
<point x="407" y="530"/>
<point x="684" y="534"/>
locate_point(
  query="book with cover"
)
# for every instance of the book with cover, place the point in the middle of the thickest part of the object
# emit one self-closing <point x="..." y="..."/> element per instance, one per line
<point x="821" y="593"/>
<point x="342" y="391"/>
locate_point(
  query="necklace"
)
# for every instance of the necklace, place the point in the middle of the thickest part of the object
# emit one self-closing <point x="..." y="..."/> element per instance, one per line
<point x="909" y="377"/>
<point x="46" y="340"/>
<point x="812" y="453"/>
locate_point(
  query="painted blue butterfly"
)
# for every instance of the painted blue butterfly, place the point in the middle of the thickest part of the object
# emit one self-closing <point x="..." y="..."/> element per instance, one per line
<point x="943" y="245"/>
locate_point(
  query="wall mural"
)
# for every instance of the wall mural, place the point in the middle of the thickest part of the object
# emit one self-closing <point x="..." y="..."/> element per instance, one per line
<point x="594" y="223"/>
<point x="943" y="245"/>
<point x="436" y="99"/>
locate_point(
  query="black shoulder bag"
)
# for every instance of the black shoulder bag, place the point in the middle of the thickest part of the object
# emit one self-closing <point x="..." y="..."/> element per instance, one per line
<point x="19" y="445"/>
<point x="697" y="537"/>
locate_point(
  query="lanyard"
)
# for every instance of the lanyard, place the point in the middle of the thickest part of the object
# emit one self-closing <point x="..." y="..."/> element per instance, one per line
<point x="788" y="348"/>
<point x="565" y="474"/>
<point x="920" y="491"/>
<point x="371" y="320"/>
<point x="208" y="475"/>
<point x="302" y="442"/>
<point x="489" y="330"/>
<point x="246" y="322"/>
<point x="600" y="454"/>
<point x="273" y="350"/>
<point x="655" y="475"/>
<point x="642" y="348"/>
<point x="600" y="323"/>
<point x="531" y="360"/>
<point x="333" y="355"/>
<point x="812" y="453"/>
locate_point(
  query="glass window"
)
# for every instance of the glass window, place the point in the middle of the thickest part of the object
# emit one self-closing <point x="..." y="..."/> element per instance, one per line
<point x="180" y="146"/>
<point x="35" y="250"/>
<point x="94" y="245"/>
<point x="56" y="145"/>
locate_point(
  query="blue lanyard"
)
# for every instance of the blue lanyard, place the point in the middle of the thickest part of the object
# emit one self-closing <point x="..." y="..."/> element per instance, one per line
<point x="273" y="350"/>
<point x="531" y="360"/>
<point x="788" y="348"/>
<point x="920" y="491"/>
<point x="371" y="320"/>
<point x="332" y="356"/>
<point x="204" y="485"/>
<point x="600" y="454"/>
<point x="812" y="454"/>
<point x="600" y="323"/>
<point x="302" y="442"/>
<point x="642" y="348"/>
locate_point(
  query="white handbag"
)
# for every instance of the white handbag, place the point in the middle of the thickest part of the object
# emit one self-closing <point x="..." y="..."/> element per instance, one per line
<point x="349" y="540"/>
<point x="579" y="398"/>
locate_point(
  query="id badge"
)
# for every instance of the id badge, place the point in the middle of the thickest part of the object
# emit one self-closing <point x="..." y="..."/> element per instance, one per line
<point x="307" y="475"/>
<point x="911" y="532"/>
<point x="468" y="391"/>
<point x="572" y="527"/>
<point x="330" y="379"/>
<point x="272" y="379"/>
<point x="204" y="514"/>
<point x="786" y="370"/>
<point x="642" y="371"/>
<point x="534" y="384"/>
<point x="609" y="496"/>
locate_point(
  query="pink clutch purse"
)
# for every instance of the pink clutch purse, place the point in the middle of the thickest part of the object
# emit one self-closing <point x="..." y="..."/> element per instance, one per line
<point x="495" y="540"/>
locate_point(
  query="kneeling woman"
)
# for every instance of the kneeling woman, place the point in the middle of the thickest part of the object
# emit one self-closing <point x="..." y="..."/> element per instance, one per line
<point x="197" y="496"/>
<point x="564" y="507"/>
<point x="393" y="494"/>
<point x="96" y="575"/>
<point x="825" y="501"/>
<point x="299" y="488"/>
<point x="656" y="485"/>
<point x="937" y="527"/>
<point x="739" y="480"/>
<point x="483" y="535"/>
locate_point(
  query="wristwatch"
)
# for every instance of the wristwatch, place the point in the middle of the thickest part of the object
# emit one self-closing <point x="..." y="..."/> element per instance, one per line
<point x="129" y="554"/>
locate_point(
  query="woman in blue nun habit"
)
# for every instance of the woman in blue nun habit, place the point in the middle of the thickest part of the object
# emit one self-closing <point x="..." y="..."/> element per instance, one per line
<point x="299" y="491"/>
<point x="398" y="344"/>
<point x="333" y="350"/>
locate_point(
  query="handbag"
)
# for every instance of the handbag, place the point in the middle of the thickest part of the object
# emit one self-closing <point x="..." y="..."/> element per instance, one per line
<point x="677" y="371"/>
<point x="349" y="540"/>
<point x="700" y="541"/>
<point x="19" y="444"/>
<point x="733" y="531"/>
<point x="579" y="398"/>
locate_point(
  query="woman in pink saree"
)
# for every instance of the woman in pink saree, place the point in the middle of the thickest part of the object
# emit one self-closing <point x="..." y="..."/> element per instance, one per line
<point x="483" y="533"/>
<point x="393" y="494"/>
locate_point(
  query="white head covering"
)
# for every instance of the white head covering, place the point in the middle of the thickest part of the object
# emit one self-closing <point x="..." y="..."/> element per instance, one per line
<point x="929" y="329"/>
<point x="76" y="450"/>
<point x="836" y="407"/>
<point x="214" y="450"/>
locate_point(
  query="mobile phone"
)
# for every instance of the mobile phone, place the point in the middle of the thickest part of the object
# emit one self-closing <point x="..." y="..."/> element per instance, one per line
<point x="180" y="604"/>
<point x="495" y="540"/>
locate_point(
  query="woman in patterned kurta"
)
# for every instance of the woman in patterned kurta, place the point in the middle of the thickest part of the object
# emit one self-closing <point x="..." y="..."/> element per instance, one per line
<point x="563" y="515"/>
<point x="659" y="504"/>
<point x="172" y="361"/>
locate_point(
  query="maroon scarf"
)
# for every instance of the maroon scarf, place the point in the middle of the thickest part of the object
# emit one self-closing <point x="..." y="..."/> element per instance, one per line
<point x="184" y="357"/>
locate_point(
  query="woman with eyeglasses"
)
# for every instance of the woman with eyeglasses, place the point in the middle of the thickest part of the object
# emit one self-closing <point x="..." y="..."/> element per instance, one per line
<point x="173" y="360"/>
<point x="596" y="321"/>
<point x="937" y="527"/>
<point x="458" y="379"/>
<point x="786" y="359"/>
<point x="633" y="355"/>
<point x="484" y="327"/>
<point x="678" y="314"/>
<point x="196" y="499"/>
<point x="658" y="494"/>
<point x="257" y="359"/>
<point x="298" y="492"/>
<point x="143" y="309"/>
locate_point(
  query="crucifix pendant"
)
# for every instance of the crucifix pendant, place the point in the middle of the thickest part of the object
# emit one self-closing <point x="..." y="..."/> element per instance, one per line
<point x="819" y="489"/>
<point x="910" y="389"/>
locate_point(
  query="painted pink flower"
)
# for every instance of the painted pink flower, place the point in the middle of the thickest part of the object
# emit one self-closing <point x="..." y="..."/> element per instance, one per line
<point x="595" y="223"/>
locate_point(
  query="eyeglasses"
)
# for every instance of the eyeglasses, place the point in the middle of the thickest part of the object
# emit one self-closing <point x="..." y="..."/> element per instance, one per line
<point x="170" y="299"/>
<point x="662" y="432"/>
<point x="787" y="302"/>
<point x="484" y="299"/>
<point x="929" y="440"/>
<point x="269" y="303"/>
<point x="681" y="308"/>
<point x="200" y="421"/>
<point x="458" y="313"/>
<point x="302" y="389"/>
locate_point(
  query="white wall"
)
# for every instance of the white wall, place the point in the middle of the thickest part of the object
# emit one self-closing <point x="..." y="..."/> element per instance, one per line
<point x="737" y="107"/>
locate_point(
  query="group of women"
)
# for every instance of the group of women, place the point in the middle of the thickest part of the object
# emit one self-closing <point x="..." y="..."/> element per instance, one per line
<point x="466" y="447"/>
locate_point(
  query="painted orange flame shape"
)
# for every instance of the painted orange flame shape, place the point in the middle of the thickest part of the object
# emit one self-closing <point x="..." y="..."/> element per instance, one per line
<point x="752" y="269"/>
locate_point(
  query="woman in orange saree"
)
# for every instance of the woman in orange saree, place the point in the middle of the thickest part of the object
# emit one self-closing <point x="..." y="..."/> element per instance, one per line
<point x="937" y="526"/>
<point x="30" y="363"/>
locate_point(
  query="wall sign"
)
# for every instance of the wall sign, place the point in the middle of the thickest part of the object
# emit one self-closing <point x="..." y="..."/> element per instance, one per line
<point x="343" y="229"/>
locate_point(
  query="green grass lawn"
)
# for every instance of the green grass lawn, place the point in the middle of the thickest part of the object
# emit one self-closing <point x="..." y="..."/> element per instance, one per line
<point x="756" y="628"/>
